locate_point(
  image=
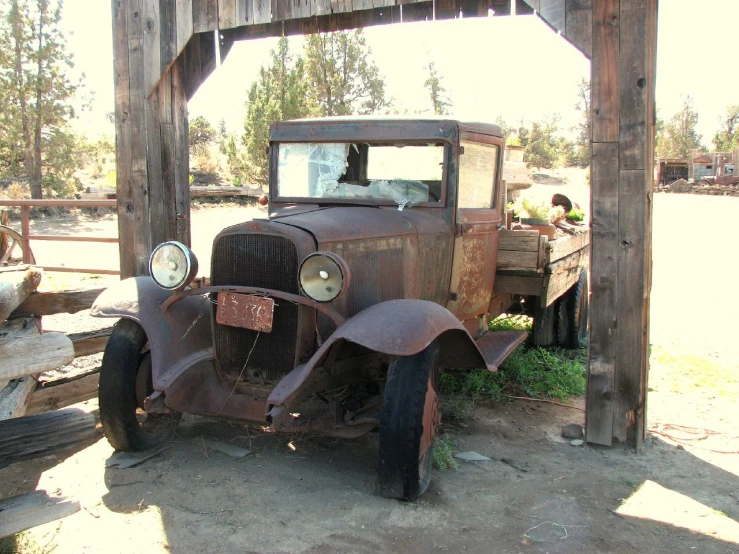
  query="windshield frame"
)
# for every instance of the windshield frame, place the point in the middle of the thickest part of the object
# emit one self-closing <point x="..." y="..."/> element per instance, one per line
<point x="447" y="157"/>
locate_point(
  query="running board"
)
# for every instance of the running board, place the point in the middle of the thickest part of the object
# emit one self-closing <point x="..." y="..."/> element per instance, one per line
<point x="496" y="346"/>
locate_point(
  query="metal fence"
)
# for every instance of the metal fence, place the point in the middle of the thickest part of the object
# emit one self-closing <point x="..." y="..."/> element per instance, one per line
<point x="26" y="237"/>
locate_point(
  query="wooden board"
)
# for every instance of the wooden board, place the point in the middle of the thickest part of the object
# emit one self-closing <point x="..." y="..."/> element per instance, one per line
<point x="519" y="261"/>
<point x="560" y="276"/>
<point x="520" y="241"/>
<point x="19" y="513"/>
<point x="603" y="281"/>
<point x="28" y="355"/>
<point x="63" y="392"/>
<point x="58" y="302"/>
<point x="37" y="435"/>
<point x="91" y="342"/>
<point x="564" y="246"/>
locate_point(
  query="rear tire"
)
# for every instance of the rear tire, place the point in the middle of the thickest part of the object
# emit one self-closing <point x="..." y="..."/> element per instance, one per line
<point x="573" y="314"/>
<point x="124" y="428"/>
<point x="544" y="327"/>
<point x="408" y="423"/>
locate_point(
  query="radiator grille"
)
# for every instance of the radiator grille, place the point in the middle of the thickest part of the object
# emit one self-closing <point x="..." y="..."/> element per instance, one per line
<point x="258" y="261"/>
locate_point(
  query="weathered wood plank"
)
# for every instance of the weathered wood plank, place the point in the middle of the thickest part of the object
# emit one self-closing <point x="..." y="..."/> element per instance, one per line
<point x="521" y="241"/>
<point x="562" y="275"/>
<point x="603" y="284"/>
<point x="28" y="355"/>
<point x="553" y="13"/>
<point x="227" y="14"/>
<point x="64" y="392"/>
<point x="604" y="81"/>
<point x="515" y="260"/>
<point x="262" y="11"/>
<point x="137" y="253"/>
<point x="33" y="436"/>
<point x="91" y="342"/>
<point x="14" y="396"/>
<point x="181" y="160"/>
<point x="579" y="25"/>
<point x="519" y="284"/>
<point x="167" y="35"/>
<point x="152" y="49"/>
<point x="57" y="302"/>
<point x="204" y="15"/>
<point x="123" y="132"/>
<point x="184" y="23"/>
<point x="244" y="12"/>
<point x="633" y="86"/>
<point x="15" y="287"/>
<point x="31" y="509"/>
<point x="630" y="334"/>
<point x="563" y="246"/>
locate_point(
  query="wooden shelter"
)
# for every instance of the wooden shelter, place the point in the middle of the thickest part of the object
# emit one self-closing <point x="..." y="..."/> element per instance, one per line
<point x="164" y="50"/>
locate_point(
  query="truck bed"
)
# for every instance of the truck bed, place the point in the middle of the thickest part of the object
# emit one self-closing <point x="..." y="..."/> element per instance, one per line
<point x="532" y="265"/>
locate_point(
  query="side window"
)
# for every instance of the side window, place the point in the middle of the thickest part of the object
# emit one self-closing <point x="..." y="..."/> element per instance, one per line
<point x="478" y="166"/>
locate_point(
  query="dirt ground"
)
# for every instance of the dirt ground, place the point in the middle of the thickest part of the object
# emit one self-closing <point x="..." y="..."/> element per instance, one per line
<point x="537" y="494"/>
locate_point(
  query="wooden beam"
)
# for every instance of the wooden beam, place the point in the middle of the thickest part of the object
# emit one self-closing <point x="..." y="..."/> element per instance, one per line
<point x="64" y="391"/>
<point x="603" y="282"/>
<point x="56" y="302"/>
<point x="28" y="355"/>
<point x="28" y="437"/>
<point x="604" y="71"/>
<point x="15" y="287"/>
<point x="92" y="342"/>
<point x="31" y="509"/>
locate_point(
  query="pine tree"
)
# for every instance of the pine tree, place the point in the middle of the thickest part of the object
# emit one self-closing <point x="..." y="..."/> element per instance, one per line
<point x="680" y="135"/>
<point x="35" y="140"/>
<point x="278" y="93"/>
<point x="342" y="78"/>
<point x="727" y="138"/>
<point x="438" y="94"/>
<point x="583" y="128"/>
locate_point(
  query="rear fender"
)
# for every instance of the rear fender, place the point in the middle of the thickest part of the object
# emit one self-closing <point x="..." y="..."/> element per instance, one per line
<point x="179" y="337"/>
<point x="394" y="327"/>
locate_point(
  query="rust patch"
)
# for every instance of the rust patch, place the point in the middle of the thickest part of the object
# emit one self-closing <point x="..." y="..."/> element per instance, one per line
<point x="246" y="311"/>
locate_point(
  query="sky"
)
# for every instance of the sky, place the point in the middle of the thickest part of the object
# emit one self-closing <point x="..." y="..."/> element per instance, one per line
<point x="512" y="67"/>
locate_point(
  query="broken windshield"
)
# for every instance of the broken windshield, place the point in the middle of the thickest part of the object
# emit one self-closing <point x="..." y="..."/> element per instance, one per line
<point x="404" y="174"/>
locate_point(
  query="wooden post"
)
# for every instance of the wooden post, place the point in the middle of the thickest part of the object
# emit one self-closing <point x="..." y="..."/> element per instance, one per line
<point x="622" y="89"/>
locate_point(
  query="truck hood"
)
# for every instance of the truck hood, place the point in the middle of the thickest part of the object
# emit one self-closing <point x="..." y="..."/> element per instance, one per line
<point x="346" y="224"/>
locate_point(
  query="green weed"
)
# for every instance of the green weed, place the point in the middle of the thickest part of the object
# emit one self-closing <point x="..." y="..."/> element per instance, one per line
<point x="529" y="371"/>
<point x="443" y="457"/>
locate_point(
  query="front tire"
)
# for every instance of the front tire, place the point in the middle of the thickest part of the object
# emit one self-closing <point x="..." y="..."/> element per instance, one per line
<point x="408" y="423"/>
<point x="123" y="360"/>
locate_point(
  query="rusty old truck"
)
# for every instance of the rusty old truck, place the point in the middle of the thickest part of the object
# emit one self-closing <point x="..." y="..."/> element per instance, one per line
<point x="374" y="271"/>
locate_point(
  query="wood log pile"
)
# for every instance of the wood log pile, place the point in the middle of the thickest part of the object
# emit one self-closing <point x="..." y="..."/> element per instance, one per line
<point x="682" y="186"/>
<point x="28" y="355"/>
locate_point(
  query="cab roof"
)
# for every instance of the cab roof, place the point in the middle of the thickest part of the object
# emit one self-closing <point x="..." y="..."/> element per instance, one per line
<point x="349" y="128"/>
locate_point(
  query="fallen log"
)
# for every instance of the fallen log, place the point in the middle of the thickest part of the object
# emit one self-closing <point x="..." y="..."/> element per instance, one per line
<point x="32" y="509"/>
<point x="50" y="303"/>
<point x="28" y="355"/>
<point x="32" y="436"/>
<point x="64" y="391"/>
<point x="15" y="287"/>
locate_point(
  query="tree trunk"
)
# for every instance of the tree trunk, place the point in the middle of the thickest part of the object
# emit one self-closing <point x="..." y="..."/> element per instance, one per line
<point x="36" y="186"/>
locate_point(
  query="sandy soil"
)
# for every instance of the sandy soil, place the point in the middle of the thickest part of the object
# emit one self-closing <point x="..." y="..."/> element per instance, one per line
<point x="537" y="494"/>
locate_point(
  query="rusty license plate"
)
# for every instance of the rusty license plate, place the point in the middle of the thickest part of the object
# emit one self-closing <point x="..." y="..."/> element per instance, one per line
<point x="243" y="310"/>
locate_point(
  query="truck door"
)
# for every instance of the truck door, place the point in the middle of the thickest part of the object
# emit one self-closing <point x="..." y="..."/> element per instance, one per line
<point x="478" y="218"/>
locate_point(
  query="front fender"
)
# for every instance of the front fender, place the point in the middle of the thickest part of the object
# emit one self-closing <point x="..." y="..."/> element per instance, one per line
<point x="179" y="337"/>
<point x="394" y="327"/>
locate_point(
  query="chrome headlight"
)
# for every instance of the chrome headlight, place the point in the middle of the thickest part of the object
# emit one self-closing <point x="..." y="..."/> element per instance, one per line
<point x="172" y="265"/>
<point x="323" y="276"/>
